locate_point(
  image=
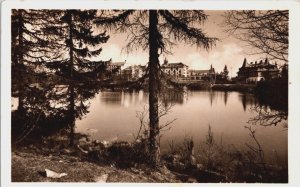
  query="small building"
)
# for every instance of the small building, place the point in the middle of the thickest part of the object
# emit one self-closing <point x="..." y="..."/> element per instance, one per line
<point x="201" y="74"/>
<point x="138" y="71"/>
<point x="198" y="74"/>
<point x="115" y="67"/>
<point x="126" y="73"/>
<point x="257" y="71"/>
<point x="133" y="72"/>
<point x="178" y="70"/>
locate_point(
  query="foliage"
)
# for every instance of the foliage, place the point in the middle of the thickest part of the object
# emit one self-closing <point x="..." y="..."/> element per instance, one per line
<point x="55" y="50"/>
<point x="265" y="31"/>
<point x="225" y="164"/>
<point x="273" y="98"/>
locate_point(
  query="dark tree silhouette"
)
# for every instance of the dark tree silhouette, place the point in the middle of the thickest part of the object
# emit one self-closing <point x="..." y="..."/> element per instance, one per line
<point x="26" y="47"/>
<point x="71" y="31"/>
<point x="53" y="48"/>
<point x="265" y="31"/>
<point x="157" y="30"/>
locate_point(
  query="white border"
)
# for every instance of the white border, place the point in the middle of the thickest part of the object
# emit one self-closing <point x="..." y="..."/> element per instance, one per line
<point x="294" y="68"/>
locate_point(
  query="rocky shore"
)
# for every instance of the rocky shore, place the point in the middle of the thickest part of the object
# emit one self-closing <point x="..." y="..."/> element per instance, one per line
<point x="52" y="159"/>
<point x="86" y="161"/>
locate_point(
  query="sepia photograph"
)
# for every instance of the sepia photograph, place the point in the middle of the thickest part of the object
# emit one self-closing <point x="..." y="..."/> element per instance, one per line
<point x="166" y="95"/>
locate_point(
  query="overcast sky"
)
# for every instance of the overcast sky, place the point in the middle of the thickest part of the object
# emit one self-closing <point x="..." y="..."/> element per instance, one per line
<point x="228" y="51"/>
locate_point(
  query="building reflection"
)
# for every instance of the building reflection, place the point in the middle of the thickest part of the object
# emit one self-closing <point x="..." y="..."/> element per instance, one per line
<point x="126" y="99"/>
<point x="248" y="101"/>
<point x="171" y="97"/>
<point x="123" y="98"/>
<point x="112" y="98"/>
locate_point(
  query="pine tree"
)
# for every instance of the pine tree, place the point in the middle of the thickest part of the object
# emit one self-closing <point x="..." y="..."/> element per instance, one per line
<point x="27" y="44"/>
<point x="225" y="72"/>
<point x="157" y="30"/>
<point x="77" y="44"/>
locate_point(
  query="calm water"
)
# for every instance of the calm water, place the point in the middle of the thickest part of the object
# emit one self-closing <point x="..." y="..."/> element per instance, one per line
<point x="113" y="117"/>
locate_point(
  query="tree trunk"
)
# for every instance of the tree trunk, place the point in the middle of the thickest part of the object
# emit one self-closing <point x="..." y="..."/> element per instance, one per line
<point x="71" y="85"/>
<point x="153" y="88"/>
<point x="20" y="67"/>
<point x="72" y="114"/>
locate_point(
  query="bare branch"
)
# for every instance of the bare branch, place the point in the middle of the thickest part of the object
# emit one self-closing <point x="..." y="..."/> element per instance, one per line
<point x="265" y="31"/>
<point x="266" y="117"/>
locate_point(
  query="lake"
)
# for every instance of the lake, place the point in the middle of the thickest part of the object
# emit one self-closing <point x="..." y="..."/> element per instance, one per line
<point x="112" y="117"/>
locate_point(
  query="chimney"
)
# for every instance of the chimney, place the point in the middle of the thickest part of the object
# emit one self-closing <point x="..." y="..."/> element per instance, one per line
<point x="165" y="61"/>
<point x="245" y="62"/>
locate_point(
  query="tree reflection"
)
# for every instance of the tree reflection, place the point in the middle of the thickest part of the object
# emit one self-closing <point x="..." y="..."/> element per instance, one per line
<point x="112" y="98"/>
<point x="173" y="96"/>
<point x="225" y="97"/>
<point x="247" y="100"/>
<point x="272" y="96"/>
<point x="268" y="117"/>
<point x="212" y="96"/>
<point x="50" y="107"/>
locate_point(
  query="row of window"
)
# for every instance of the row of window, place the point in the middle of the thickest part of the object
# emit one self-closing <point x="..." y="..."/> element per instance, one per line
<point x="168" y="71"/>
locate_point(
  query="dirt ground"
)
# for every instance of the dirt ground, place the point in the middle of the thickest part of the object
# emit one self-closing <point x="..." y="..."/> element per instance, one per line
<point x="30" y="167"/>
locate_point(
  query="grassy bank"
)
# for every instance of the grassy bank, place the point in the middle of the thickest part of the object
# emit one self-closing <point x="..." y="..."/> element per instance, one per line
<point x="85" y="162"/>
<point x="30" y="167"/>
<point x="96" y="161"/>
<point x="234" y="87"/>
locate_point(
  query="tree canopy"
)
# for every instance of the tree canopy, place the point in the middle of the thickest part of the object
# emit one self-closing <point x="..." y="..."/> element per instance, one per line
<point x="266" y="32"/>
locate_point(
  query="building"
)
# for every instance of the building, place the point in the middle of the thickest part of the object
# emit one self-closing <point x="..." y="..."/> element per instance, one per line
<point x="198" y="74"/>
<point x="138" y="71"/>
<point x="126" y="73"/>
<point x="115" y="67"/>
<point x="257" y="71"/>
<point x="177" y="70"/>
<point x="201" y="74"/>
<point x="133" y="72"/>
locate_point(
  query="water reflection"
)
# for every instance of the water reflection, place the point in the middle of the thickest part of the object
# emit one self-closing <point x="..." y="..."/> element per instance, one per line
<point x="48" y="108"/>
<point x="123" y="98"/>
<point x="194" y="111"/>
<point x="128" y="98"/>
<point x="225" y="97"/>
<point x="248" y="100"/>
<point x="112" y="98"/>
<point x="211" y="97"/>
<point x="113" y="114"/>
<point x="171" y="97"/>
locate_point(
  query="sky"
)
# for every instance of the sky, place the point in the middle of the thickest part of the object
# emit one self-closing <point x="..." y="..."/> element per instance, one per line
<point x="228" y="50"/>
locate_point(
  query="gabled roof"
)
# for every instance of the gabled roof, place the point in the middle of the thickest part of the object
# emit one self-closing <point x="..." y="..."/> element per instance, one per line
<point x="117" y="63"/>
<point x="199" y="71"/>
<point x="258" y="64"/>
<point x="128" y="68"/>
<point x="177" y="64"/>
<point x="135" y="67"/>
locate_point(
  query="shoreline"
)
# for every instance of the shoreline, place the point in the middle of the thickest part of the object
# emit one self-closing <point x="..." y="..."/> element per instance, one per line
<point x="127" y="162"/>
